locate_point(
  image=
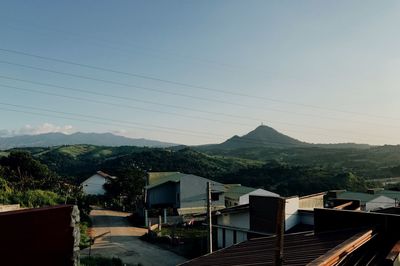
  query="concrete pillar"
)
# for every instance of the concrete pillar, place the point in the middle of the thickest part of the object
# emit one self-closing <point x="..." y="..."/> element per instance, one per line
<point x="146" y="218"/>
<point x="165" y="216"/>
<point x="159" y="223"/>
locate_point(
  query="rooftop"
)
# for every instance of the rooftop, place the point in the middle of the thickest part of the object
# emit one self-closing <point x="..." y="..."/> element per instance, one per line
<point x="299" y="249"/>
<point x="234" y="191"/>
<point x="105" y="175"/>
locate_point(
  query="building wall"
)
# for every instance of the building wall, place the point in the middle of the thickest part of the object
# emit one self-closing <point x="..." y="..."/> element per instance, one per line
<point x="291" y="213"/>
<point x="313" y="201"/>
<point x="94" y="185"/>
<point x="165" y="194"/>
<point x="239" y="220"/>
<point x="306" y="218"/>
<point x="230" y="237"/>
<point x="193" y="193"/>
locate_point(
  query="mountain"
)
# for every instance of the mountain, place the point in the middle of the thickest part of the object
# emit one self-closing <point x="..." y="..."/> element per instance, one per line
<point x="57" y="139"/>
<point x="262" y="136"/>
<point x="266" y="137"/>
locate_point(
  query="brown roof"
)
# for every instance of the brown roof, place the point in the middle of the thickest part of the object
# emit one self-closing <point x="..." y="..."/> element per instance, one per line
<point x="299" y="249"/>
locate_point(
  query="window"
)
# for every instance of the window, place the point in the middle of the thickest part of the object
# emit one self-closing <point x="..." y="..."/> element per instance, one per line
<point x="178" y="197"/>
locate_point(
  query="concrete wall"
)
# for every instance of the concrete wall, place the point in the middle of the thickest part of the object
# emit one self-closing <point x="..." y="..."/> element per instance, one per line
<point x="239" y="220"/>
<point x="42" y="236"/>
<point x="11" y="207"/>
<point x="291" y="213"/>
<point x="94" y="185"/>
<point x="306" y="218"/>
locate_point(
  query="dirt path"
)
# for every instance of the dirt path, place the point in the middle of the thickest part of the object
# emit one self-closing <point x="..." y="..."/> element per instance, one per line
<point x="122" y="241"/>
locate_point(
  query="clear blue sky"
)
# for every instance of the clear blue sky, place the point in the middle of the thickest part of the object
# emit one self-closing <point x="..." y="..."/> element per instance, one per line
<point x="319" y="71"/>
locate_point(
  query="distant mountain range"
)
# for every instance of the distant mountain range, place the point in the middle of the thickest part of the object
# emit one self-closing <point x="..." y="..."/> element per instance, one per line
<point x="57" y="139"/>
<point x="265" y="136"/>
<point x="261" y="137"/>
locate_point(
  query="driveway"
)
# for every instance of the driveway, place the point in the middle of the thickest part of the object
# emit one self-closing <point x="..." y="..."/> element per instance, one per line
<point x="121" y="240"/>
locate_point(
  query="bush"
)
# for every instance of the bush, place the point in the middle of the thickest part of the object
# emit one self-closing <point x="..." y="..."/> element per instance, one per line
<point x="35" y="198"/>
<point x="85" y="238"/>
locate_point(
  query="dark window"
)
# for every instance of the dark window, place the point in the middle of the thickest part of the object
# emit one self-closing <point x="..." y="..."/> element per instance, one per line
<point x="178" y="197"/>
<point x="234" y="237"/>
<point x="214" y="196"/>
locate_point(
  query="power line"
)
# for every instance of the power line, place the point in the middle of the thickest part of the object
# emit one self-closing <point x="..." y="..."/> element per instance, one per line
<point x="119" y="123"/>
<point x="187" y="84"/>
<point x="131" y="107"/>
<point x="154" y="103"/>
<point x="119" y="105"/>
<point x="126" y="98"/>
<point x="106" y="119"/>
<point x="95" y="122"/>
<point x="182" y="95"/>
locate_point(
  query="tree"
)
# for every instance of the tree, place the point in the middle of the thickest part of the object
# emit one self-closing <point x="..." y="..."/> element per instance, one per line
<point x="127" y="188"/>
<point x="23" y="172"/>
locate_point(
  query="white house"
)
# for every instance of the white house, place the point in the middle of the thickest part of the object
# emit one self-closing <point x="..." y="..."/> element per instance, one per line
<point x="237" y="194"/>
<point x="257" y="218"/>
<point x="94" y="185"/>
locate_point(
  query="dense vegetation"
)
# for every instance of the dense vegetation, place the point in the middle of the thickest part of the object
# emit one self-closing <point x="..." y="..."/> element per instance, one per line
<point x="286" y="170"/>
<point x="26" y="181"/>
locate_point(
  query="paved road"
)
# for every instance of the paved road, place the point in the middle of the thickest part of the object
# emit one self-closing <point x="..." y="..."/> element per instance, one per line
<point x="123" y="241"/>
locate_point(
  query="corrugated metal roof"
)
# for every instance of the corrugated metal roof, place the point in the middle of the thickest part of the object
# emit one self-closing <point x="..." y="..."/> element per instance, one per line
<point x="234" y="191"/>
<point x="363" y="197"/>
<point x="299" y="249"/>
<point x="168" y="178"/>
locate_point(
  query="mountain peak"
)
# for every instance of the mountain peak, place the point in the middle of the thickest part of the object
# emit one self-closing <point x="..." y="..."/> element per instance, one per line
<point x="263" y="136"/>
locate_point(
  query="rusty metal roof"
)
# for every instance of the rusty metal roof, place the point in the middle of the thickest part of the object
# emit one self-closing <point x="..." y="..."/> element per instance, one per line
<point x="299" y="249"/>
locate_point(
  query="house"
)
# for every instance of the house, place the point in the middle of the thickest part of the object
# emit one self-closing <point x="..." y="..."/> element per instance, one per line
<point x="94" y="185"/>
<point x="340" y="237"/>
<point x="236" y="194"/>
<point x="185" y="193"/>
<point x="242" y="222"/>
<point x="370" y="201"/>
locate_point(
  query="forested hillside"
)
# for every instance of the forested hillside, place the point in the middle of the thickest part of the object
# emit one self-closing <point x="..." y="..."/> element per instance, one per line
<point x="286" y="171"/>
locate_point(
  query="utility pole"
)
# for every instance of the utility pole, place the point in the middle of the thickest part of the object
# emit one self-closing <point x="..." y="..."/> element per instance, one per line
<point x="280" y="231"/>
<point x="209" y="220"/>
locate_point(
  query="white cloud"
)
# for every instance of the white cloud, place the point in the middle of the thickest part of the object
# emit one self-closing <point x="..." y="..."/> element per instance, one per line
<point x="40" y="129"/>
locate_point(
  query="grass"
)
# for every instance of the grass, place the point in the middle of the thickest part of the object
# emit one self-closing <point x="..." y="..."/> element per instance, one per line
<point x="75" y="150"/>
<point x="192" y="232"/>
<point x="4" y="154"/>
